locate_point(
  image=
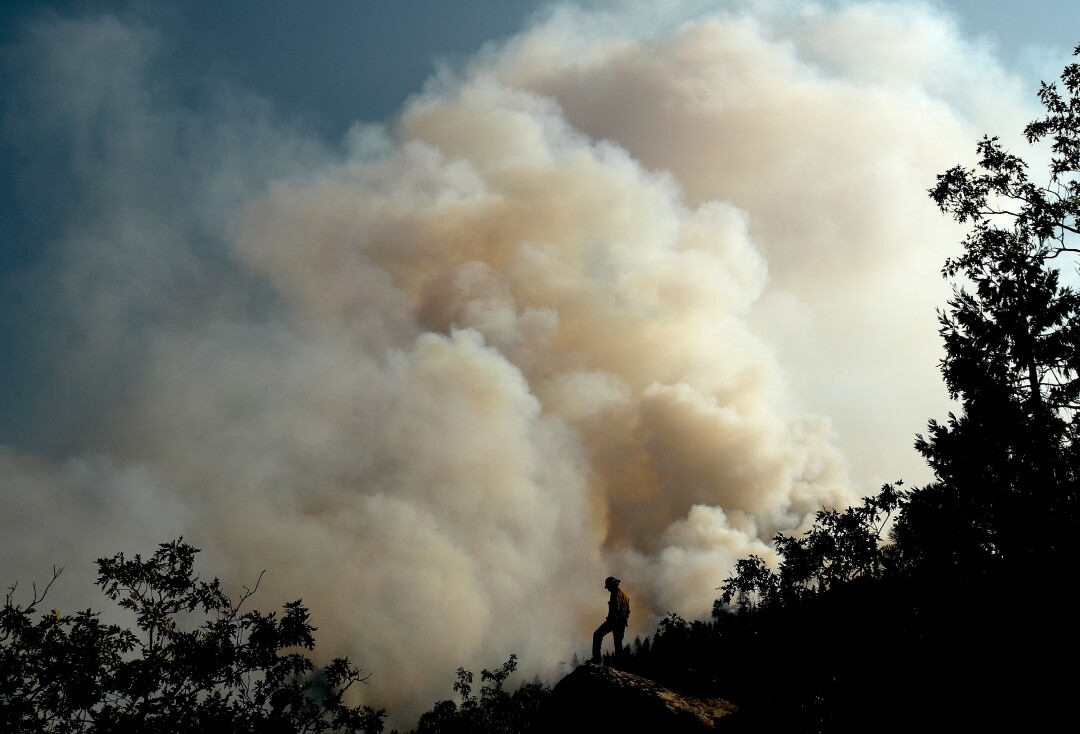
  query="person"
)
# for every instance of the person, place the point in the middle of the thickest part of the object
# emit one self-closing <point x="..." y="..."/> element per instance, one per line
<point x="618" y="617"/>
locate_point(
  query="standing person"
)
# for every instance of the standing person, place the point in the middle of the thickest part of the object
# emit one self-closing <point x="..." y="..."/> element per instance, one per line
<point x="618" y="616"/>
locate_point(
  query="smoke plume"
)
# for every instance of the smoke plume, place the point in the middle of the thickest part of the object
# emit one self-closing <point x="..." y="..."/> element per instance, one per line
<point x="626" y="294"/>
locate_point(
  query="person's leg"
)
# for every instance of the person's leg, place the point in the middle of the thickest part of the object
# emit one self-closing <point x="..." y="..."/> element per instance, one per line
<point x="598" y="638"/>
<point x="617" y="635"/>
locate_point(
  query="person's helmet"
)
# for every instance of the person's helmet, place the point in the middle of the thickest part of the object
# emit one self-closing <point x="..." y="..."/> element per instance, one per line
<point x="610" y="581"/>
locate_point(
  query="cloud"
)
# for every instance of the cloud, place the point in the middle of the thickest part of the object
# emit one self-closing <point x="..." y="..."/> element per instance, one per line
<point x="613" y="297"/>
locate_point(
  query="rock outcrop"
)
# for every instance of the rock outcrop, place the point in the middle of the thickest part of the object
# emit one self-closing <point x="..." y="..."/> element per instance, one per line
<point x="595" y="698"/>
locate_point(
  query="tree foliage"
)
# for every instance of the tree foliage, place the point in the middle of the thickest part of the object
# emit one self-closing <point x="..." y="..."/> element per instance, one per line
<point x="842" y="546"/>
<point x="1007" y="467"/>
<point x="195" y="661"/>
<point x="495" y="711"/>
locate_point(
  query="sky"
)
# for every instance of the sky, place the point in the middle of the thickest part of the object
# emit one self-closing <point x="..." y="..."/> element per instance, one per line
<point x="442" y="312"/>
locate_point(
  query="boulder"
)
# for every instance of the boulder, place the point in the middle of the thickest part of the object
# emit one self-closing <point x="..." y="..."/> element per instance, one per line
<point x="595" y="698"/>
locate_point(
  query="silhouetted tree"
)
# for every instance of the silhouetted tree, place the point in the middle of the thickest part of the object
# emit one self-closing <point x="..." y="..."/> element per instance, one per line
<point x="195" y="662"/>
<point x="1006" y="466"/>
<point x="495" y="711"/>
<point x="840" y="547"/>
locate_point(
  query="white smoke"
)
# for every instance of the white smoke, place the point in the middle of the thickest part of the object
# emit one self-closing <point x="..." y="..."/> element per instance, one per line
<point x="627" y="294"/>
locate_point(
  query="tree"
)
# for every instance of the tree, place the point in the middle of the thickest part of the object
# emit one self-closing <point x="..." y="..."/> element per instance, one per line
<point x="195" y="663"/>
<point x="1006" y="467"/>
<point x="839" y="548"/>
<point x="495" y="711"/>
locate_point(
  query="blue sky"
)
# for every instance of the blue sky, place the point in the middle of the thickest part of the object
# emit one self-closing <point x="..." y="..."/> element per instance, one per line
<point x="419" y="304"/>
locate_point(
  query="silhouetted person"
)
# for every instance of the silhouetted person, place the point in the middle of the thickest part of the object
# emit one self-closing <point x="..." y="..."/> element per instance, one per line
<point x="618" y="614"/>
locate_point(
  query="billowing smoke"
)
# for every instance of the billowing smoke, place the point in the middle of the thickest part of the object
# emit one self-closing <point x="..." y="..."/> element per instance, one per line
<point x="627" y="294"/>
